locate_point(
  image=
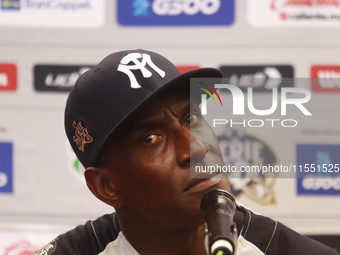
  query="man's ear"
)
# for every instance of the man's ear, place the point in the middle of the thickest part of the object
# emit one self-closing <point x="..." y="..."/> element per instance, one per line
<point x="98" y="181"/>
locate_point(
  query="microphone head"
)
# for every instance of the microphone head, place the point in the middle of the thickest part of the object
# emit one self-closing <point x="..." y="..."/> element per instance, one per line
<point x="215" y="196"/>
<point x="219" y="207"/>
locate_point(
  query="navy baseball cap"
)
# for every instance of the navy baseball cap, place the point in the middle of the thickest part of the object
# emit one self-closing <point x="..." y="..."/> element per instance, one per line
<point x="111" y="91"/>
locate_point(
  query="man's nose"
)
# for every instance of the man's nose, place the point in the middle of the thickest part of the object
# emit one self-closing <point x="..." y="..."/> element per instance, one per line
<point x="190" y="149"/>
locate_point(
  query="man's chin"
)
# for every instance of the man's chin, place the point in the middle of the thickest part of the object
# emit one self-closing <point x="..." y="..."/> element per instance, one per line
<point x="224" y="184"/>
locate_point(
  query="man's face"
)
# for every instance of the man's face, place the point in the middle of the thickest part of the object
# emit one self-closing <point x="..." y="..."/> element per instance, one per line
<point x="149" y="161"/>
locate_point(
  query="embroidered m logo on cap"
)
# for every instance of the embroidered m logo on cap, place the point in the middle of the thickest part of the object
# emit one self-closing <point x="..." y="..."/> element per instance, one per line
<point x="138" y="65"/>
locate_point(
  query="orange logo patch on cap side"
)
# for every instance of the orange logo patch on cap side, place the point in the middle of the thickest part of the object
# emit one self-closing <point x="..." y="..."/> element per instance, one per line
<point x="81" y="137"/>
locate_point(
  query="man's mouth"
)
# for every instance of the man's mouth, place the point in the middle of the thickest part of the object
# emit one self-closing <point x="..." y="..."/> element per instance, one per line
<point x="200" y="183"/>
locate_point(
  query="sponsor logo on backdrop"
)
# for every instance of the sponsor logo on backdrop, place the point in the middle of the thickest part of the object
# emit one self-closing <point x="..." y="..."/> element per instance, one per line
<point x="6" y="167"/>
<point x="10" y="4"/>
<point x="294" y="12"/>
<point x="318" y="168"/>
<point x="8" y="77"/>
<point x="60" y="13"/>
<point x="175" y="12"/>
<point x="325" y="78"/>
<point x="75" y="5"/>
<point x="260" y="77"/>
<point x="57" y="77"/>
<point x="184" y="69"/>
<point x="21" y="248"/>
<point x="240" y="149"/>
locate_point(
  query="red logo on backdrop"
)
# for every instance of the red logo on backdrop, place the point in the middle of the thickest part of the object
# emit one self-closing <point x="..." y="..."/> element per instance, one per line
<point x="8" y="77"/>
<point x="21" y="248"/>
<point x="284" y="16"/>
<point x="278" y="4"/>
<point x="184" y="69"/>
<point x="325" y="79"/>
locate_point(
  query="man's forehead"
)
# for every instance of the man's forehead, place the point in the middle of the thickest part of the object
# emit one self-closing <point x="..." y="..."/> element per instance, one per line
<point x="156" y="109"/>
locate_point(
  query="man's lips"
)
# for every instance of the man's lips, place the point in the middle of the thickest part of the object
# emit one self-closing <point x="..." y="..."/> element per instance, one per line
<point x="199" y="180"/>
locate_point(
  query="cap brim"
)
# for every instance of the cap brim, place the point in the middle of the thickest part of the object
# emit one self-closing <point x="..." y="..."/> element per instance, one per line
<point x="181" y="81"/>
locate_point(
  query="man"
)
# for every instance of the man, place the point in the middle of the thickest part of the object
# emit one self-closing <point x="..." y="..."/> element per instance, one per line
<point x="133" y="126"/>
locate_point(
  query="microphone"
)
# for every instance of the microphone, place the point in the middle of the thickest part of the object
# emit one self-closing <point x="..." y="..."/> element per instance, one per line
<point x="219" y="207"/>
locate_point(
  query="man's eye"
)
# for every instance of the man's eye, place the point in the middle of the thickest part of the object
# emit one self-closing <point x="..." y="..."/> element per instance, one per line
<point x="192" y="119"/>
<point x="152" y="139"/>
